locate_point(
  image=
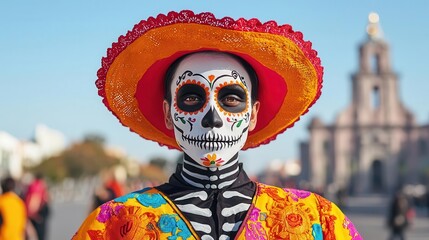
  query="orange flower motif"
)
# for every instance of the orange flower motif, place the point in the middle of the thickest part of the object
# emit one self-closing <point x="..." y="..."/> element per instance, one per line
<point x="291" y="222"/>
<point x="95" y="235"/>
<point x="294" y="220"/>
<point x="129" y="224"/>
<point x="211" y="161"/>
<point x="327" y="219"/>
<point x="324" y="205"/>
<point x="272" y="192"/>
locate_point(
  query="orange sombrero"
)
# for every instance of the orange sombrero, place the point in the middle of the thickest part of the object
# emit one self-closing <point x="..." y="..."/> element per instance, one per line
<point x="131" y="78"/>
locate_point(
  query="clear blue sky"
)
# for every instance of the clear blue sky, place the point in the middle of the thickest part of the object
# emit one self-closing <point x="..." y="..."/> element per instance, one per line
<point x="50" y="52"/>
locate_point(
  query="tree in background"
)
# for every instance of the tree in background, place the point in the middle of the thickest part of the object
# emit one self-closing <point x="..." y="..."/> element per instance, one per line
<point x="81" y="159"/>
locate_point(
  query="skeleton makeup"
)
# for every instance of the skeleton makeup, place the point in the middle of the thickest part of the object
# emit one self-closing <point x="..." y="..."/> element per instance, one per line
<point x="211" y="107"/>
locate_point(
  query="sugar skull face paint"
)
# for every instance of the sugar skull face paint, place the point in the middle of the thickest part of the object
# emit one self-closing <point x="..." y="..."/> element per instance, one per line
<point x="211" y="107"/>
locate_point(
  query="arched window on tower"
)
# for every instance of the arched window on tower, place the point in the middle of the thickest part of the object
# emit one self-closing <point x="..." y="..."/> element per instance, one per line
<point x="375" y="97"/>
<point x="375" y="63"/>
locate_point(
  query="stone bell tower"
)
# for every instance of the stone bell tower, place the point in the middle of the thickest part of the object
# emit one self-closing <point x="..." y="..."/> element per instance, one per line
<point x="369" y="144"/>
<point x="375" y="96"/>
<point x="381" y="124"/>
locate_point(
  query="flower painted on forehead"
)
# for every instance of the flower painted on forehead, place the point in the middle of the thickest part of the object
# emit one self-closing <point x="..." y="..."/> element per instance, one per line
<point x="211" y="78"/>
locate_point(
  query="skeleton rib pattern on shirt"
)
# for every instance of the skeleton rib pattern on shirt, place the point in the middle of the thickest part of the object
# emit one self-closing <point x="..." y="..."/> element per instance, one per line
<point x="215" y="201"/>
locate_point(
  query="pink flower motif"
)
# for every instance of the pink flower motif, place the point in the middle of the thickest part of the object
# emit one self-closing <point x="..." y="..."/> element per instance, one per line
<point x="254" y="214"/>
<point x="352" y="230"/>
<point x="254" y="229"/>
<point x="107" y="210"/>
<point x="297" y="194"/>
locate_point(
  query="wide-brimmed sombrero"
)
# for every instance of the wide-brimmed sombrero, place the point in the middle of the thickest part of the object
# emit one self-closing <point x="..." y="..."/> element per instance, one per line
<point x="131" y="78"/>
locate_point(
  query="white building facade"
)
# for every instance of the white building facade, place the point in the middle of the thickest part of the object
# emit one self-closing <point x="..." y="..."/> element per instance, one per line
<point x="15" y="153"/>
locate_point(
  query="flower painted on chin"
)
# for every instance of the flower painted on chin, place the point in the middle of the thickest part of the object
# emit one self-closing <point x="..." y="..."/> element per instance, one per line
<point x="211" y="161"/>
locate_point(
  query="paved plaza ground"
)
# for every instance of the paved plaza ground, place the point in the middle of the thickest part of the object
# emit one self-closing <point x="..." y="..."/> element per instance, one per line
<point x="369" y="216"/>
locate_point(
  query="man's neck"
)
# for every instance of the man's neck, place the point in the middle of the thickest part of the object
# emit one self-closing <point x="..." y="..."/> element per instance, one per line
<point x="210" y="178"/>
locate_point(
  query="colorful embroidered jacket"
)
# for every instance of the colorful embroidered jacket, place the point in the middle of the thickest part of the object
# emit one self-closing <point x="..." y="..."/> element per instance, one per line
<point x="275" y="214"/>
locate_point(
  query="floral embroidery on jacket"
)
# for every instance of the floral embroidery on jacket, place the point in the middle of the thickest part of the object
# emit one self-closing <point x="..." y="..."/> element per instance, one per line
<point x="289" y="222"/>
<point x="107" y="210"/>
<point x="154" y="200"/>
<point x="170" y="223"/>
<point x="128" y="223"/>
<point x="327" y="220"/>
<point x="254" y="228"/>
<point x="317" y="232"/>
<point x="353" y="232"/>
<point x="296" y="194"/>
<point x="275" y="214"/>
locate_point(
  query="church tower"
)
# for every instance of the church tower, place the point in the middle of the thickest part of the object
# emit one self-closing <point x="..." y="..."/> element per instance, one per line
<point x="375" y="96"/>
<point x="369" y="148"/>
<point x="381" y="124"/>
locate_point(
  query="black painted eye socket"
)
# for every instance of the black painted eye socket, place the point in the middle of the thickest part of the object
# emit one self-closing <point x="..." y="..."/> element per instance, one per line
<point x="191" y="97"/>
<point x="232" y="98"/>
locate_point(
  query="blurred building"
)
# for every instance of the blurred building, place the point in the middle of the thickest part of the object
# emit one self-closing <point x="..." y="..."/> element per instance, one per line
<point x="10" y="156"/>
<point x="281" y="173"/>
<point x="375" y="143"/>
<point x="15" y="153"/>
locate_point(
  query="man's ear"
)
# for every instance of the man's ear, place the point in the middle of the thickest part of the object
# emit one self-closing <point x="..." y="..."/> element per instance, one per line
<point x="167" y="115"/>
<point x="254" y="116"/>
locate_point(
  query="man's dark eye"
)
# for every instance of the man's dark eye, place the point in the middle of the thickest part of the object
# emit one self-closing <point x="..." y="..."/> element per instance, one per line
<point x="191" y="100"/>
<point x="191" y="97"/>
<point x="232" y="98"/>
<point x="231" y="101"/>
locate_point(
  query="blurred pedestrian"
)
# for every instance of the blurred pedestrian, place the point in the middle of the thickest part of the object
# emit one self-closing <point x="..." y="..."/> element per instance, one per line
<point x="427" y="200"/>
<point x="399" y="216"/>
<point x="13" y="215"/>
<point x="38" y="205"/>
<point x="112" y="186"/>
<point x="341" y="195"/>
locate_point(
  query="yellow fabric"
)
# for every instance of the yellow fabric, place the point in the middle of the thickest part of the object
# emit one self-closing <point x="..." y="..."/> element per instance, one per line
<point x="275" y="214"/>
<point x="12" y="210"/>
<point x="275" y="52"/>
<point x="129" y="221"/>
<point x="295" y="215"/>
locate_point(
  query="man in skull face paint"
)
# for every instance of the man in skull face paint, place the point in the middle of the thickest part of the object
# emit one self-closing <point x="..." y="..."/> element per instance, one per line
<point x="210" y="111"/>
<point x="214" y="90"/>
